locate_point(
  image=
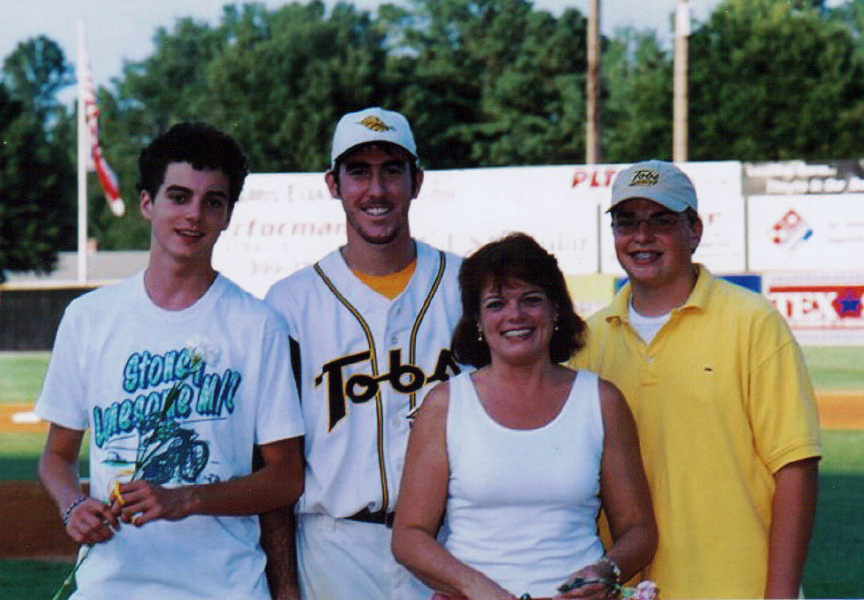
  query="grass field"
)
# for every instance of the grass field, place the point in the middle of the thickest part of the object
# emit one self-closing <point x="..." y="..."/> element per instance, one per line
<point x="21" y="375"/>
<point x="836" y="368"/>
<point x="840" y="368"/>
<point x="834" y="567"/>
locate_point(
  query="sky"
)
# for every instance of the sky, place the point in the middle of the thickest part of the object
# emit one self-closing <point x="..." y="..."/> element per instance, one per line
<point x="117" y="31"/>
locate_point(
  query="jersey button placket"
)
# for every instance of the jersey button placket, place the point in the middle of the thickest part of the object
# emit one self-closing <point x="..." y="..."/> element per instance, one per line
<point x="649" y="366"/>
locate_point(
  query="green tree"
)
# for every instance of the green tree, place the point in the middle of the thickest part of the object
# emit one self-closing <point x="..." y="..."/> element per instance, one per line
<point x="36" y="175"/>
<point x="637" y="105"/>
<point x="496" y="82"/>
<point x="276" y="80"/>
<point x="851" y="15"/>
<point x="289" y="74"/>
<point x="773" y="79"/>
<point x="149" y="97"/>
<point x="35" y="72"/>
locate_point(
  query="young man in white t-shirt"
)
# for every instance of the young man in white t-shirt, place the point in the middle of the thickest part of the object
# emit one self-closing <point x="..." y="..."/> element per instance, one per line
<point x="178" y="374"/>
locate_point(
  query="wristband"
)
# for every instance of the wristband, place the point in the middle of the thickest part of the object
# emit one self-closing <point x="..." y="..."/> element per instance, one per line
<point x="72" y="506"/>
<point x="616" y="570"/>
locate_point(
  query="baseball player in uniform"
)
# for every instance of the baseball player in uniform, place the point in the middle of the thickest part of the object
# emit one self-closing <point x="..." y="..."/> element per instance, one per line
<point x="370" y="326"/>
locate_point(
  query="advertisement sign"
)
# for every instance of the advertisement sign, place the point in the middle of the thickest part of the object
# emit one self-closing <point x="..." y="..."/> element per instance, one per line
<point x="796" y="177"/>
<point x="805" y="232"/>
<point x="461" y="210"/>
<point x="721" y="206"/>
<point x="820" y="308"/>
<point x="283" y="222"/>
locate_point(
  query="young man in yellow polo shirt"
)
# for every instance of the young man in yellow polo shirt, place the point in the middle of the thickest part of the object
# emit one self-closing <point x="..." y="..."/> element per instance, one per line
<point x="722" y="400"/>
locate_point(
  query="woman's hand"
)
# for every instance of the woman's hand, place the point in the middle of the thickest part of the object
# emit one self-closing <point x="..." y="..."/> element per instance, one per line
<point x="592" y="581"/>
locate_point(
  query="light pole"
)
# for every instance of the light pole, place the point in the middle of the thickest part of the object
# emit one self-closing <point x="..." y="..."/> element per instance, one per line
<point x="592" y="86"/>
<point x="679" y="110"/>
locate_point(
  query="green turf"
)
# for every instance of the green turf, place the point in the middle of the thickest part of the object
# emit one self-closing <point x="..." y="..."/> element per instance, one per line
<point x="834" y="567"/>
<point x="21" y="375"/>
<point x="19" y="454"/>
<point x="31" y="579"/>
<point x="836" y="367"/>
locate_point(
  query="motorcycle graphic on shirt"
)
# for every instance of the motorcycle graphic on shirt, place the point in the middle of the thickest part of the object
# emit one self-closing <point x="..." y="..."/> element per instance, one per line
<point x="174" y="455"/>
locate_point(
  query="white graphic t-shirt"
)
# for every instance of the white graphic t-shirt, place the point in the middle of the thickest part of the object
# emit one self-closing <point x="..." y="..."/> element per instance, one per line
<point x="222" y="366"/>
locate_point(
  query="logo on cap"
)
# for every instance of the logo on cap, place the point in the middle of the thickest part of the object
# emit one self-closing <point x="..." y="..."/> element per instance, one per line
<point x="374" y="123"/>
<point x="645" y="177"/>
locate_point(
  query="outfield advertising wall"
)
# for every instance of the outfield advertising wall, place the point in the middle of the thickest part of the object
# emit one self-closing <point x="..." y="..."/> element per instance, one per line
<point x="821" y="308"/>
<point x="799" y="224"/>
<point x="287" y="221"/>
<point x="806" y="233"/>
<point x="789" y="221"/>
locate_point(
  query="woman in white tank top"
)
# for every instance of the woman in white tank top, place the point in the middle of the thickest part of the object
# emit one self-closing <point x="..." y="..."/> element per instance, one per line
<point x="518" y="457"/>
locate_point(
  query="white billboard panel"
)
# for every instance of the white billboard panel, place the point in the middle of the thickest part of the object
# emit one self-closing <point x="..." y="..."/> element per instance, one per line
<point x="461" y="210"/>
<point x="286" y="221"/>
<point x="805" y="232"/>
<point x="281" y="223"/>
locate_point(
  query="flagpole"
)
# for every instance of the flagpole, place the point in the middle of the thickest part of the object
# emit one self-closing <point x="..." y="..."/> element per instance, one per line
<point x="83" y="146"/>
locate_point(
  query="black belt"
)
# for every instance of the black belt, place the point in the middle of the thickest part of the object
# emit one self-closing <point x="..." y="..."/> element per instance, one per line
<point x="380" y="517"/>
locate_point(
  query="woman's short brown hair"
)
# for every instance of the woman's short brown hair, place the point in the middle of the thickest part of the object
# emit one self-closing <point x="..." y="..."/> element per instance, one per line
<point x="515" y="256"/>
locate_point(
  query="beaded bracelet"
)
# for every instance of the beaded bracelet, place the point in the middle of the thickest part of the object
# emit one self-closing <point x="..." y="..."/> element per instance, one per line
<point x="72" y="506"/>
<point x="616" y="570"/>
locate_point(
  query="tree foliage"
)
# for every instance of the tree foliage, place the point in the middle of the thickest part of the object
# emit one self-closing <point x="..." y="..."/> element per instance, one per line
<point x="637" y="103"/>
<point x="496" y="82"/>
<point x="35" y="72"/>
<point x="774" y="80"/>
<point x="36" y="175"/>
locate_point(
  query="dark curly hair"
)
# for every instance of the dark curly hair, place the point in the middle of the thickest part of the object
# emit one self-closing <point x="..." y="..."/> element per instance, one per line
<point x="516" y="256"/>
<point x="199" y="144"/>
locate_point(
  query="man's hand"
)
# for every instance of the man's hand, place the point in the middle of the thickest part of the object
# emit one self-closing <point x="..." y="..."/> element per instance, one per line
<point x="91" y="522"/>
<point x="140" y="502"/>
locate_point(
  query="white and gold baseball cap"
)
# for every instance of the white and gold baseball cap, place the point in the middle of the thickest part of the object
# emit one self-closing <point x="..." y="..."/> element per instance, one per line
<point x="371" y="125"/>
<point x="656" y="180"/>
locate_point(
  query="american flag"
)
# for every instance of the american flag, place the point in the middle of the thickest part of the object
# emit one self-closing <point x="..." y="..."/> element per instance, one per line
<point x="107" y="178"/>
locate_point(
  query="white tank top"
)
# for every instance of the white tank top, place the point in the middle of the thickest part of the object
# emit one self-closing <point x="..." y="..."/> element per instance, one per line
<point x="522" y="504"/>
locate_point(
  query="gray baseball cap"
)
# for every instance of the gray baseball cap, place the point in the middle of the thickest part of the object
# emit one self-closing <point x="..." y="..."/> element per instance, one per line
<point x="656" y="180"/>
<point x="371" y="125"/>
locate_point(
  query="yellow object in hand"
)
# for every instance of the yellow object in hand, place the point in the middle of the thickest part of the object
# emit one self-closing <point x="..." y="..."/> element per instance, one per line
<point x="115" y="492"/>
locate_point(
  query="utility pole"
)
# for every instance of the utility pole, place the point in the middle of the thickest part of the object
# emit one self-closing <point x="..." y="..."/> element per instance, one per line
<point x="592" y="86"/>
<point x="679" y="111"/>
<point x="83" y="146"/>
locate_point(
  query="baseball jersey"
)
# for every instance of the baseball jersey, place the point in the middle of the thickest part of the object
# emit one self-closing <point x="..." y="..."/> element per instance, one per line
<point x="362" y="363"/>
<point x="116" y="357"/>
